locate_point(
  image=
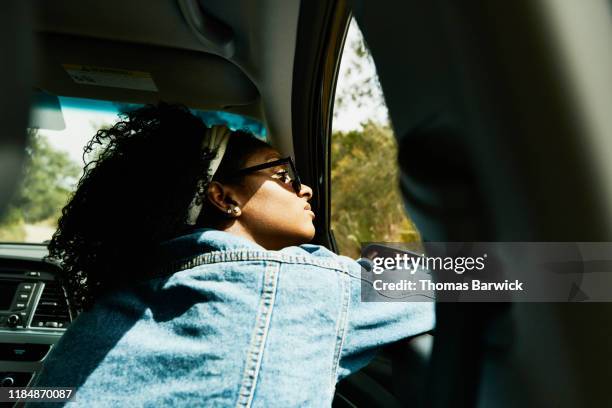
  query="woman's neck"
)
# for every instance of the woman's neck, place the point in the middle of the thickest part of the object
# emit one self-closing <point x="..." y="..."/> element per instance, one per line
<point x="236" y="228"/>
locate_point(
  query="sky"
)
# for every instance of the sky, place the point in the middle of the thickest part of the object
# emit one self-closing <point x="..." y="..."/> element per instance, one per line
<point x="357" y="72"/>
<point x="82" y="124"/>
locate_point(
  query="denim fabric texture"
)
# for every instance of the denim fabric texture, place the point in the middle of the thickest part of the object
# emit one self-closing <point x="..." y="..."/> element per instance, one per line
<point x="230" y="324"/>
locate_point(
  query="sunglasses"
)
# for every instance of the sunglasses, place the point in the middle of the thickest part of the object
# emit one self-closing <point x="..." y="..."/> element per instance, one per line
<point x="286" y="173"/>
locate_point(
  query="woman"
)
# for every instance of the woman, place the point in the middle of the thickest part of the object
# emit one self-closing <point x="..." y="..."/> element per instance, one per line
<point x="204" y="292"/>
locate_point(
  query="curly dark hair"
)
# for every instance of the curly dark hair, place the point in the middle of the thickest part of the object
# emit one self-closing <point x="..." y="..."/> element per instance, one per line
<point x="134" y="195"/>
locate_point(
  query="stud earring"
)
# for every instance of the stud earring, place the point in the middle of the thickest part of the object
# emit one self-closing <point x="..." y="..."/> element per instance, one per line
<point x="234" y="210"/>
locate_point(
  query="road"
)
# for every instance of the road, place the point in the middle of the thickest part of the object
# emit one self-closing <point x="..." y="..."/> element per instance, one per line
<point x="38" y="233"/>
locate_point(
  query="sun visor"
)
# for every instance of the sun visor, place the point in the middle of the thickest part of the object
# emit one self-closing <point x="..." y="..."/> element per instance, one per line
<point x="139" y="73"/>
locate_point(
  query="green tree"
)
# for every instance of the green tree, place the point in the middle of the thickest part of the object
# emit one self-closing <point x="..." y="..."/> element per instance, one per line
<point x="49" y="177"/>
<point x="366" y="202"/>
<point x="12" y="225"/>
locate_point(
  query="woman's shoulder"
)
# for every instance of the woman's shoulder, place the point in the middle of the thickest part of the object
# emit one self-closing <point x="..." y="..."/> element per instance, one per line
<point x="318" y="251"/>
<point x="229" y="247"/>
<point x="322" y="253"/>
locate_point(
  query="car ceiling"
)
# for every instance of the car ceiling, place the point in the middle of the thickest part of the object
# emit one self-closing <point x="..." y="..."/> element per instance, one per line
<point x="248" y="72"/>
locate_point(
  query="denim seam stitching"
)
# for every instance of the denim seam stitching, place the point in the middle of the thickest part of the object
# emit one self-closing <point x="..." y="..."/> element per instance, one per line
<point x="259" y="337"/>
<point x="229" y="256"/>
<point x="341" y="329"/>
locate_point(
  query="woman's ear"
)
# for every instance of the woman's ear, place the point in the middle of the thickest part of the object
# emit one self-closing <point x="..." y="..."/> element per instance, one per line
<point x="222" y="197"/>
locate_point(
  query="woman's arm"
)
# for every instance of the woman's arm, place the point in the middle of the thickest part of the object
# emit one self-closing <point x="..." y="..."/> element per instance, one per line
<point x="371" y="325"/>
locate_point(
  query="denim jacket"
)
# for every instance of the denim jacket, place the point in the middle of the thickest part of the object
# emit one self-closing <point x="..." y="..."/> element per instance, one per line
<point x="230" y="325"/>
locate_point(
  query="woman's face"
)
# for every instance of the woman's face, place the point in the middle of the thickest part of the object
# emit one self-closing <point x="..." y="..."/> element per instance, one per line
<point x="272" y="213"/>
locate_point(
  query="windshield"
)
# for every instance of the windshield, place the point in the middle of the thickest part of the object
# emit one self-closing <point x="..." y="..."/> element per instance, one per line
<point x="55" y="163"/>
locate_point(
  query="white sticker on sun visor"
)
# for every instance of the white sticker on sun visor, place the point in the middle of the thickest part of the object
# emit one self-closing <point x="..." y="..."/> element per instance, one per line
<point x="111" y="77"/>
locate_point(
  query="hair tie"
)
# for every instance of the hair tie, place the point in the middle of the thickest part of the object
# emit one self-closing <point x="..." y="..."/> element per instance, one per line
<point x="215" y="140"/>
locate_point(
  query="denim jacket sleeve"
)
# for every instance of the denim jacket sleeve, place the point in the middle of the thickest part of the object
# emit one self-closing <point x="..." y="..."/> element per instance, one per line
<point x="371" y="325"/>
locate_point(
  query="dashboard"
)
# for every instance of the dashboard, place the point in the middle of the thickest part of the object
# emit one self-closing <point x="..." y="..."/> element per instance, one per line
<point x="34" y="312"/>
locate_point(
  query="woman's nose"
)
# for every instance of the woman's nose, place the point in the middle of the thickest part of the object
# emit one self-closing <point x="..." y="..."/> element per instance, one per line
<point x="305" y="191"/>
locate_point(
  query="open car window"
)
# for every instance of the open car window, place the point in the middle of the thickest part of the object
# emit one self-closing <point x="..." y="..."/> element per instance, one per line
<point x="366" y="204"/>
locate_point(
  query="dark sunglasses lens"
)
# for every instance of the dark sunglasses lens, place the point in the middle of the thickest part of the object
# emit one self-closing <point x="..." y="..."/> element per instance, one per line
<point x="295" y="180"/>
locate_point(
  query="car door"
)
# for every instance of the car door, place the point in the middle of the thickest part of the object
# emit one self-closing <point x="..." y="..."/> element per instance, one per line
<point x="506" y="104"/>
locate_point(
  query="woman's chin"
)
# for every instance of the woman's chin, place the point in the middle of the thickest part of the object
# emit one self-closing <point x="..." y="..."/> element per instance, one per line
<point x="310" y="232"/>
<point x="306" y="235"/>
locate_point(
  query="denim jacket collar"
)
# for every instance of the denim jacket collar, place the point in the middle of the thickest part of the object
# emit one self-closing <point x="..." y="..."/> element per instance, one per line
<point x="204" y="240"/>
<point x="206" y="245"/>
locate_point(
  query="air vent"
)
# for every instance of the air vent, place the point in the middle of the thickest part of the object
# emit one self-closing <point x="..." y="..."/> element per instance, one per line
<point x="52" y="310"/>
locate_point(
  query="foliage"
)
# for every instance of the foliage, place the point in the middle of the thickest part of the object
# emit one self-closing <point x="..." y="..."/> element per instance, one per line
<point x="12" y="226"/>
<point x="366" y="202"/>
<point x="49" y="177"/>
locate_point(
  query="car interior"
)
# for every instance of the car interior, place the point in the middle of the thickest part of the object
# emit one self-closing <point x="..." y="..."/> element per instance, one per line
<point x="240" y="57"/>
<point x="500" y="111"/>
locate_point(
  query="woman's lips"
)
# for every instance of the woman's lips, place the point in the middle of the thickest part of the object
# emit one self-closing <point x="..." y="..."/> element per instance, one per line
<point x="308" y="208"/>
